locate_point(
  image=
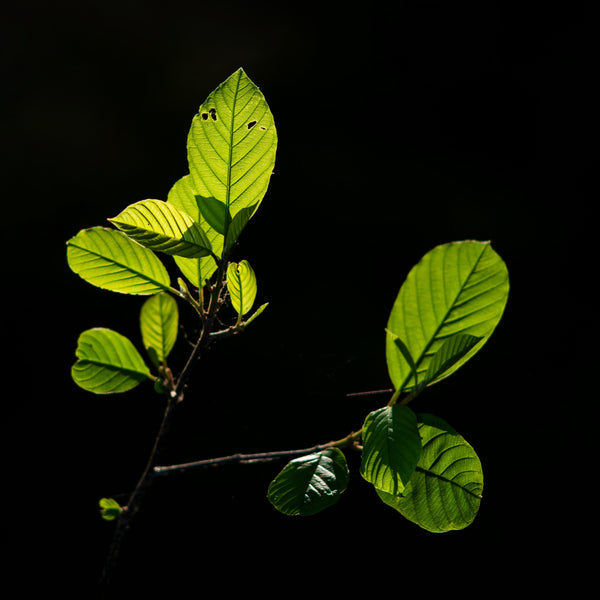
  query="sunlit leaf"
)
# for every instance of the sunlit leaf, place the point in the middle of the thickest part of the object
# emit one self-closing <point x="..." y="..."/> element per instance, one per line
<point x="110" y="260"/>
<point x="444" y="492"/>
<point x="391" y="448"/>
<point x="450" y="352"/>
<point x="231" y="150"/>
<point x="159" y="320"/>
<point x="241" y="283"/>
<point x="456" y="288"/>
<point x="256" y="313"/>
<point x="309" y="484"/>
<point x="107" y="362"/>
<point x="163" y="227"/>
<point x="195" y="270"/>
<point x="238" y="223"/>
<point x="406" y="355"/>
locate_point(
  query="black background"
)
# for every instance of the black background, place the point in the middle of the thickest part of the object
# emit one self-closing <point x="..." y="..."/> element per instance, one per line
<point x="400" y="127"/>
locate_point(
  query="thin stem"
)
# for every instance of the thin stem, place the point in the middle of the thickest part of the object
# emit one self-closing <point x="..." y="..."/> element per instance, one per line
<point x="205" y="335"/>
<point x="349" y="441"/>
<point x="130" y="510"/>
<point x="370" y="393"/>
<point x="395" y="397"/>
<point x="174" y="397"/>
<point x="404" y="400"/>
<point x="239" y="459"/>
<point x="201" y="298"/>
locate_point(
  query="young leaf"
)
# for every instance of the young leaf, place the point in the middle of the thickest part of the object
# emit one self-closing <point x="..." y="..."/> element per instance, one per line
<point x="445" y="490"/>
<point x="107" y="362"/>
<point x="159" y="320"/>
<point x="110" y="260"/>
<point x="256" y="314"/>
<point x="109" y="509"/>
<point x="391" y="448"/>
<point x="196" y="270"/>
<point x="460" y="287"/>
<point x="309" y="484"/>
<point x="231" y="149"/>
<point x="241" y="283"/>
<point x="162" y="227"/>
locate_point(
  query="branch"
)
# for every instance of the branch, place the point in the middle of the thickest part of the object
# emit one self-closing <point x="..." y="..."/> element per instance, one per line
<point x="348" y="441"/>
<point x="205" y="336"/>
<point x="174" y="396"/>
<point x="239" y="459"/>
<point x="128" y="512"/>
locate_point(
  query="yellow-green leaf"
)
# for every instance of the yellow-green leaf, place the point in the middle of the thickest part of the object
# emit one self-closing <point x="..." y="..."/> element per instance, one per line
<point x="162" y="227"/>
<point x="231" y="150"/>
<point x="241" y="283"/>
<point x="107" y="362"/>
<point x="195" y="270"/>
<point x="110" y="260"/>
<point x="159" y="321"/>
<point x="456" y="288"/>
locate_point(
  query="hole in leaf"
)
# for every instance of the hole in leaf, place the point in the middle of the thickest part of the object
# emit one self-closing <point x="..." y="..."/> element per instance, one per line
<point x="204" y="116"/>
<point x="263" y="128"/>
<point x="213" y="114"/>
<point x="251" y="124"/>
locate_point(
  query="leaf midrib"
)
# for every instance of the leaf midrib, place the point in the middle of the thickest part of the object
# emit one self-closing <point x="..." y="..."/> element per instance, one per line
<point x="230" y="157"/>
<point x="113" y="367"/>
<point x="124" y="266"/>
<point x="429" y="473"/>
<point x="443" y="320"/>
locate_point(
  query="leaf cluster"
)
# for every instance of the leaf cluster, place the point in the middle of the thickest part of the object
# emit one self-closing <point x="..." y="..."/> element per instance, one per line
<point x="231" y="153"/>
<point x="419" y="465"/>
<point x="445" y="311"/>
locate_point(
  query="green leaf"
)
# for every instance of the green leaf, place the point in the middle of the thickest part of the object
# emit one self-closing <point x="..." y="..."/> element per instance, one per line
<point x="256" y="314"/>
<point x="391" y="448"/>
<point x="159" y="321"/>
<point x="456" y="288"/>
<point x="241" y="283"/>
<point x="231" y="150"/>
<point x="237" y="225"/>
<point x="445" y="490"/>
<point x="109" y="509"/>
<point x="214" y="212"/>
<point x="108" y="362"/>
<point x="407" y="356"/>
<point x="309" y="484"/>
<point x="162" y="227"/>
<point x="195" y="270"/>
<point x="110" y="260"/>
<point x="450" y="352"/>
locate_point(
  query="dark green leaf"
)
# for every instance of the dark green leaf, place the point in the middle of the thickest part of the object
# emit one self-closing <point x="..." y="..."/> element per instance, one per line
<point x="391" y="448"/>
<point x="445" y="490"/>
<point x="309" y="484"/>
